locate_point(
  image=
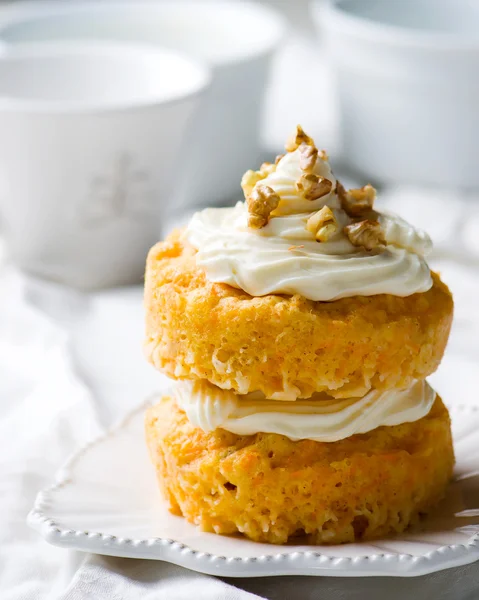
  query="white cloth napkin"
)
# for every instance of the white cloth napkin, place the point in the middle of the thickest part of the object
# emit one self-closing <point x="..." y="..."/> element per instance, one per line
<point x="47" y="412"/>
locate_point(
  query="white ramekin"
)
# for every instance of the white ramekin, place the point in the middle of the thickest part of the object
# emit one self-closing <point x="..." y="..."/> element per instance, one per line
<point x="89" y="155"/>
<point x="408" y="87"/>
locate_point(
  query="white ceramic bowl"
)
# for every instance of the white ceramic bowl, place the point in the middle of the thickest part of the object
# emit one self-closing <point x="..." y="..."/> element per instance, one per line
<point x="236" y="39"/>
<point x="407" y="77"/>
<point x="89" y="155"/>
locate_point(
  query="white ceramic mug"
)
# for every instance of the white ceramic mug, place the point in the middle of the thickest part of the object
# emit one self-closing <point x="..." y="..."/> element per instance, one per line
<point x="89" y="155"/>
<point x="407" y="80"/>
<point x="236" y="39"/>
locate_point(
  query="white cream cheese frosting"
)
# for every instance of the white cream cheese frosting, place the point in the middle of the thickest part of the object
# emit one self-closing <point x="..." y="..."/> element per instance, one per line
<point x="283" y="257"/>
<point x="320" y="418"/>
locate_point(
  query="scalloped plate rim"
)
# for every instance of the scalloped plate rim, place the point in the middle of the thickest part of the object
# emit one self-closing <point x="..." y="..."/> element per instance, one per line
<point x="293" y="563"/>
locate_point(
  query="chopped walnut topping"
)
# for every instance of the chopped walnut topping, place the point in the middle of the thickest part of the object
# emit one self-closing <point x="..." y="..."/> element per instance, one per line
<point x="340" y="190"/>
<point x="357" y="202"/>
<point x="322" y="224"/>
<point x="249" y="180"/>
<point x="313" y="187"/>
<point x="323" y="155"/>
<point x="278" y="158"/>
<point x="266" y="169"/>
<point x="307" y="157"/>
<point x="261" y="202"/>
<point x="297" y="139"/>
<point x="366" y="233"/>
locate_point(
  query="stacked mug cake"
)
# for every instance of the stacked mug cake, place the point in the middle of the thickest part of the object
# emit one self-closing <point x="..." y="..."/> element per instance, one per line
<point x="299" y="327"/>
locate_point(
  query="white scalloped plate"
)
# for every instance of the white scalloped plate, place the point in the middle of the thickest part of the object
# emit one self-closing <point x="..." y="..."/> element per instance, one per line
<point x="106" y="501"/>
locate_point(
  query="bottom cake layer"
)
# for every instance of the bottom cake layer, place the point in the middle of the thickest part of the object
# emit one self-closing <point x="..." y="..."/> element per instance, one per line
<point x="272" y="489"/>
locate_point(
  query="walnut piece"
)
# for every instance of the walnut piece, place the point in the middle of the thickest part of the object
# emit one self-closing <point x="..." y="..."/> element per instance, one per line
<point x="266" y="169"/>
<point x="367" y="233"/>
<point x="261" y="202"/>
<point x="340" y="190"/>
<point x="322" y="224"/>
<point x="312" y="187"/>
<point x="297" y="139"/>
<point x="308" y="156"/>
<point x="357" y="202"/>
<point x="323" y="155"/>
<point x="251" y="178"/>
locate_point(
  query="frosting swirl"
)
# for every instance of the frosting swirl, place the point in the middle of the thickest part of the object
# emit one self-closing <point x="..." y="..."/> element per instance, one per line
<point x="320" y="418"/>
<point x="283" y="257"/>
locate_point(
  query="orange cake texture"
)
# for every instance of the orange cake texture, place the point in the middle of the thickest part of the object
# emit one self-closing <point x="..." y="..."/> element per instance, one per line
<point x="273" y="490"/>
<point x="287" y="346"/>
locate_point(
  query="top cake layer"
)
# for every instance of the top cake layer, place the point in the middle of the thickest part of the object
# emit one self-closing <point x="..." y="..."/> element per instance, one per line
<point x="303" y="288"/>
<point x="286" y="346"/>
